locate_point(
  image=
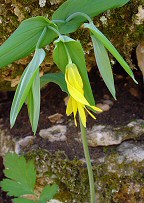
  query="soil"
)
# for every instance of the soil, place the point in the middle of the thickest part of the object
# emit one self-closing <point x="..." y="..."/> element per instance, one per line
<point x="128" y="106"/>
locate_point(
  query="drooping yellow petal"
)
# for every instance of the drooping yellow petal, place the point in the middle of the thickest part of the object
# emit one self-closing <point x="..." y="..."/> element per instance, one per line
<point x="77" y="101"/>
<point x="73" y="75"/>
<point x="77" y="95"/>
<point x="72" y="81"/>
<point x="69" y="109"/>
<point x="75" y="107"/>
<point x="96" y="108"/>
<point x="90" y="113"/>
<point x="82" y="114"/>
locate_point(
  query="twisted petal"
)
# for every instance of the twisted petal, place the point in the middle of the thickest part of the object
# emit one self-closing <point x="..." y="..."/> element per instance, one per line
<point x="69" y="109"/>
<point x="90" y="113"/>
<point x="73" y="76"/>
<point x="82" y="114"/>
<point x="77" y="101"/>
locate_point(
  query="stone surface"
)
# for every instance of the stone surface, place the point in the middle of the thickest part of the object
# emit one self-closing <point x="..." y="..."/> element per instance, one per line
<point x="131" y="151"/>
<point x="7" y="144"/>
<point x="122" y="165"/>
<point x="55" y="133"/>
<point x="118" y="173"/>
<point x="108" y="102"/>
<point x="104" y="107"/>
<point x="21" y="144"/>
<point x="101" y="135"/>
<point x="56" y="118"/>
<point x="119" y="177"/>
<point x="140" y="56"/>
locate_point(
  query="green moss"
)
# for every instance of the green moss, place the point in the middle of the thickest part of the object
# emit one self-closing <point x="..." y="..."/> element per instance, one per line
<point x="71" y="174"/>
<point x="115" y="182"/>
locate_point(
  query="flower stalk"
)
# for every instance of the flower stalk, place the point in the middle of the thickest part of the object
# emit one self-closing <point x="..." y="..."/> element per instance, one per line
<point x="88" y="162"/>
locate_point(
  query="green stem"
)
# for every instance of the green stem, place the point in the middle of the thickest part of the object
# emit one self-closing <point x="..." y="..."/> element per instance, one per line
<point x="88" y="162"/>
<point x="79" y="14"/>
<point x="68" y="55"/>
<point x="58" y="21"/>
<point x="41" y="38"/>
<point x="58" y="33"/>
<point x="55" y="30"/>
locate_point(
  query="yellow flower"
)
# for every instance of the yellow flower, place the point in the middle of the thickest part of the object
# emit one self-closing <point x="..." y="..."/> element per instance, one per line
<point x="77" y="102"/>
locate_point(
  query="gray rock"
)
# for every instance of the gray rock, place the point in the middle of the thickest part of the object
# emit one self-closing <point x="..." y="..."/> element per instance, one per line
<point x="132" y="151"/>
<point x="104" y="107"/>
<point x="101" y="135"/>
<point x="55" y="133"/>
<point x="56" y="118"/>
<point x="23" y="143"/>
<point x="108" y="102"/>
<point x="6" y="142"/>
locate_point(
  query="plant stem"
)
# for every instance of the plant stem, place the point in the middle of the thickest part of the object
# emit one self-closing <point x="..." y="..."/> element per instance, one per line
<point x="41" y="38"/>
<point x="88" y="162"/>
<point x="58" y="21"/>
<point x="79" y="14"/>
<point x="68" y="55"/>
<point x="55" y="30"/>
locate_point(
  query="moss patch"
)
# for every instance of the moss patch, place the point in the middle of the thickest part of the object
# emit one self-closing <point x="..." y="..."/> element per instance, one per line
<point x="115" y="182"/>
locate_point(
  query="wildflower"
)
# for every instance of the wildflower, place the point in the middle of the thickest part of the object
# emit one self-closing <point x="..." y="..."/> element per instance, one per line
<point x="77" y="102"/>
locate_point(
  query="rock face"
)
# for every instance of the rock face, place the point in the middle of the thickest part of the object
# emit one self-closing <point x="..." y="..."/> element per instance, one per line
<point x="106" y="135"/>
<point x="131" y="151"/>
<point x="118" y="175"/>
<point x="118" y="171"/>
<point x="55" y="133"/>
<point x="6" y="142"/>
<point x="123" y="26"/>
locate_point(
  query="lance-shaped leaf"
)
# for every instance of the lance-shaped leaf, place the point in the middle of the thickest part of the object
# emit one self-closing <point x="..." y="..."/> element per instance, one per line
<point x="21" y="176"/>
<point x="57" y="78"/>
<point x="25" y="84"/>
<point x="23" y="41"/>
<point x="76" y="53"/>
<point x="103" y="64"/>
<point x="33" y="102"/>
<point x="99" y="35"/>
<point x="90" y="7"/>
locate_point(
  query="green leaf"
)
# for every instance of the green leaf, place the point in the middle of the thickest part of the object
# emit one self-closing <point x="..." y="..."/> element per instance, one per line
<point x="77" y="56"/>
<point x="23" y="200"/>
<point x="33" y="102"/>
<point x="48" y="193"/>
<point x="21" y="176"/>
<point x="90" y="7"/>
<point x="23" y="41"/>
<point x="57" y="78"/>
<point x="60" y="54"/>
<point x="110" y="47"/>
<point x="104" y="65"/>
<point x="25" y="84"/>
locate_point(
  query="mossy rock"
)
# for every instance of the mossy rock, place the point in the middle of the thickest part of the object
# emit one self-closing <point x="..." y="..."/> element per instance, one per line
<point x="116" y="181"/>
